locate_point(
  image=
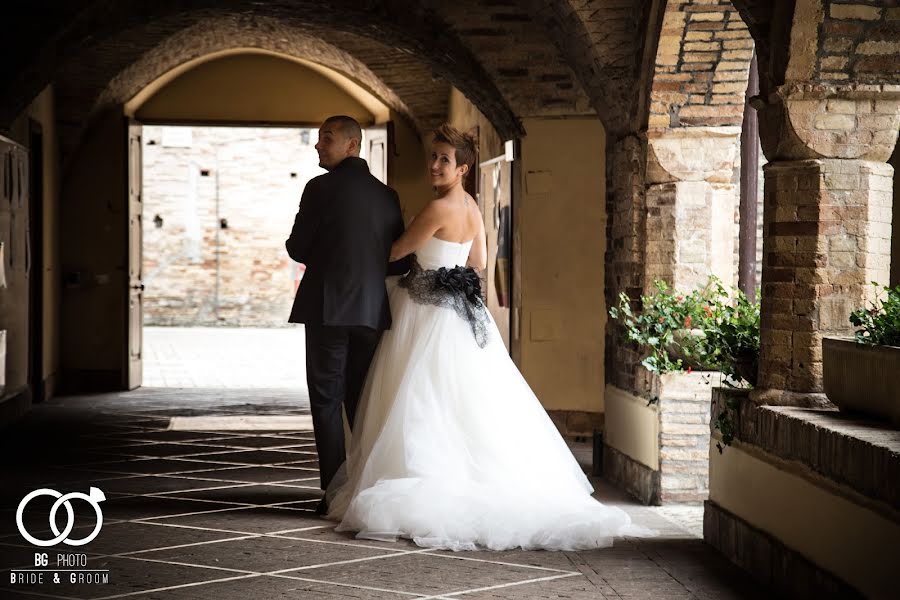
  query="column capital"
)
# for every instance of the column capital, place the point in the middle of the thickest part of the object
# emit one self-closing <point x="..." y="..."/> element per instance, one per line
<point x="692" y="154"/>
<point x="800" y="121"/>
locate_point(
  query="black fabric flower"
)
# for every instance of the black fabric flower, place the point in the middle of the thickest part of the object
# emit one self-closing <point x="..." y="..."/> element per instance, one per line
<point x="458" y="288"/>
<point x="463" y="280"/>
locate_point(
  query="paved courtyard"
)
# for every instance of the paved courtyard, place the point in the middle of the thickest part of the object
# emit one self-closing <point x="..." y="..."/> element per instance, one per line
<point x="225" y="357"/>
<point x="229" y="514"/>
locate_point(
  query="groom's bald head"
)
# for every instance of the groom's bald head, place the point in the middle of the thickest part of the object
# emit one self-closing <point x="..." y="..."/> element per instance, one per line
<point x="340" y="137"/>
<point x="348" y="126"/>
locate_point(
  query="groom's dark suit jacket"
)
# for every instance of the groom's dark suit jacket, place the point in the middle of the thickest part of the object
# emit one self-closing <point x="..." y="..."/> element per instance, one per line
<point x="343" y="233"/>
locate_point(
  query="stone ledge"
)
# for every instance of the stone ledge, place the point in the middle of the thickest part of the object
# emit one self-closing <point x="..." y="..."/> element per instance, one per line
<point x="857" y="452"/>
<point x="638" y="480"/>
<point x="767" y="559"/>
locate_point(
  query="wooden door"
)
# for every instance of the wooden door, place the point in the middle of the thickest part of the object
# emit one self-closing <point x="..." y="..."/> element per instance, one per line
<point x="377" y="145"/>
<point x="134" y="331"/>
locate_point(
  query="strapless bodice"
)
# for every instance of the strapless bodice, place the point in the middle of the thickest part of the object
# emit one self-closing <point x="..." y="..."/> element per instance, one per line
<point x="438" y="253"/>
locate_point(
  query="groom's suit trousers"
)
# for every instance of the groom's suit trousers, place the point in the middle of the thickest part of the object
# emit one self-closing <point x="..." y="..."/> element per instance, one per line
<point x="337" y="360"/>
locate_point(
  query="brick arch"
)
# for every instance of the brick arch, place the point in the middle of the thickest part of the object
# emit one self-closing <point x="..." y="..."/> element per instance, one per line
<point x="702" y="64"/>
<point x="604" y="42"/>
<point x="511" y="40"/>
<point x="211" y="36"/>
<point x="109" y="37"/>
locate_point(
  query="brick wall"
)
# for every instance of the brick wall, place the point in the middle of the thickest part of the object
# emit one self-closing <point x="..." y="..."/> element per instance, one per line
<point x="626" y="210"/>
<point x="859" y="41"/>
<point x="261" y="175"/>
<point x="701" y="65"/>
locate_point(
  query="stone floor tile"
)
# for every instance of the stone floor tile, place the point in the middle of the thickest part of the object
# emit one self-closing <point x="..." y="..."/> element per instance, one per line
<point x="158" y="466"/>
<point x="257" y="457"/>
<point x="253" y="494"/>
<point x="272" y="588"/>
<point x="249" y="520"/>
<point x="422" y="573"/>
<point x="264" y="554"/>
<point x="260" y="475"/>
<point x="147" y="507"/>
<point x="138" y="536"/>
<point x="154" y="484"/>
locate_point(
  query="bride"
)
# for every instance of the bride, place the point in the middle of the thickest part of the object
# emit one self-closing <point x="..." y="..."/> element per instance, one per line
<point x="450" y="446"/>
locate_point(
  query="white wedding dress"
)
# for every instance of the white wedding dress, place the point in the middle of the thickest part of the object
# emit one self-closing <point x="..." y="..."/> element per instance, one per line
<point x="452" y="449"/>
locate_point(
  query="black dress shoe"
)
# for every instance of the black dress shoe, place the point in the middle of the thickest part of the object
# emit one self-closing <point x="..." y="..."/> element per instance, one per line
<point x="322" y="508"/>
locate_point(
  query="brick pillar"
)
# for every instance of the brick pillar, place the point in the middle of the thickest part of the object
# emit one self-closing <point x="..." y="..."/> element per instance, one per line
<point x="827" y="235"/>
<point x="691" y="197"/>
<point x="827" y="227"/>
<point x="626" y="161"/>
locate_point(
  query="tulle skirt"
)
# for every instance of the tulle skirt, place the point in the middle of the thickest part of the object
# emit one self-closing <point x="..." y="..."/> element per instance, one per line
<point x="452" y="449"/>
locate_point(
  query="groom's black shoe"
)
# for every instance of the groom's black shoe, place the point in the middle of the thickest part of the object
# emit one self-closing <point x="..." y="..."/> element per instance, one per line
<point x="322" y="508"/>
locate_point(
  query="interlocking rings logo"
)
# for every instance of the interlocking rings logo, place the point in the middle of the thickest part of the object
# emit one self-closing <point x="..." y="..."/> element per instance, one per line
<point x="96" y="496"/>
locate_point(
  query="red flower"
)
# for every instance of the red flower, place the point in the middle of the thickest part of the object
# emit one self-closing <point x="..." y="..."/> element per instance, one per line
<point x="707" y="310"/>
<point x="680" y="298"/>
<point x="687" y="322"/>
<point x="661" y="320"/>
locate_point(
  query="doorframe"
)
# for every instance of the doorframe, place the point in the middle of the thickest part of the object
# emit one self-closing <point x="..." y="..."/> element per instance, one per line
<point x="36" y="262"/>
<point x="129" y="120"/>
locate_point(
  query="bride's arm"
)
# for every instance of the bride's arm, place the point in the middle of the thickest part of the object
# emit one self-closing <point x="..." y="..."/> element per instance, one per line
<point x="478" y="253"/>
<point x="420" y="230"/>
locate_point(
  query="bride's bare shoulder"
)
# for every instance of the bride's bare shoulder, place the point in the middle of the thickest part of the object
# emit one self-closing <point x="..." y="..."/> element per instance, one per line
<point x="436" y="206"/>
<point x="435" y="209"/>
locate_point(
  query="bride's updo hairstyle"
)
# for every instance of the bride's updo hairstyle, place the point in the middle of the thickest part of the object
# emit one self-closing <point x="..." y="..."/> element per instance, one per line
<point x="462" y="142"/>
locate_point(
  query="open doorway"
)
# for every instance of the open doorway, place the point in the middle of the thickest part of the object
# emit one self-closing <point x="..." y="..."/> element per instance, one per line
<point x="218" y="285"/>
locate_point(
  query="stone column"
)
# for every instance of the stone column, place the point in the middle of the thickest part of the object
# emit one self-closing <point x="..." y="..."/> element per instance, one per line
<point x="827" y="225"/>
<point x="691" y="196"/>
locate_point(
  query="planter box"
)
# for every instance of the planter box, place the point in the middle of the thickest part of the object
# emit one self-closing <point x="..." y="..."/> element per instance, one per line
<point x="860" y="378"/>
<point x="659" y="451"/>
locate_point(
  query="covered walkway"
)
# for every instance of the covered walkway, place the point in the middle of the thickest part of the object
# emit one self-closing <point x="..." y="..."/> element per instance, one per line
<point x="230" y="515"/>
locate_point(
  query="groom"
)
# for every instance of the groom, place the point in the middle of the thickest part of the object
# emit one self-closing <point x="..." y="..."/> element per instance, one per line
<point x="343" y="233"/>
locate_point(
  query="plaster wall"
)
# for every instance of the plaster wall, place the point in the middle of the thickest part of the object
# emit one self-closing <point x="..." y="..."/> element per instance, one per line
<point x="830" y="525"/>
<point x="560" y="223"/>
<point x="632" y="426"/>
<point x="254" y="88"/>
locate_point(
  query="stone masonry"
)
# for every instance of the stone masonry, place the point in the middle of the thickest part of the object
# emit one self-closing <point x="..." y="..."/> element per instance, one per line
<point x="859" y="40"/>
<point x="691" y="203"/>
<point x="683" y="402"/>
<point x="701" y="65"/>
<point x="676" y="219"/>
<point x="196" y="271"/>
<point x="828" y="196"/>
<point x="626" y="248"/>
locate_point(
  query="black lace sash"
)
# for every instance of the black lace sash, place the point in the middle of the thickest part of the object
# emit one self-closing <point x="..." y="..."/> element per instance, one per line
<point x="458" y="288"/>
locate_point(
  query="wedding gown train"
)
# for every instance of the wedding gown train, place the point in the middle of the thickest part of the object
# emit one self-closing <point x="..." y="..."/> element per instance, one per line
<point x="452" y="449"/>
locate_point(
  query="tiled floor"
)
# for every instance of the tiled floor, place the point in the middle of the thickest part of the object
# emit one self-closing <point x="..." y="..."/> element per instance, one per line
<point x="222" y="515"/>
